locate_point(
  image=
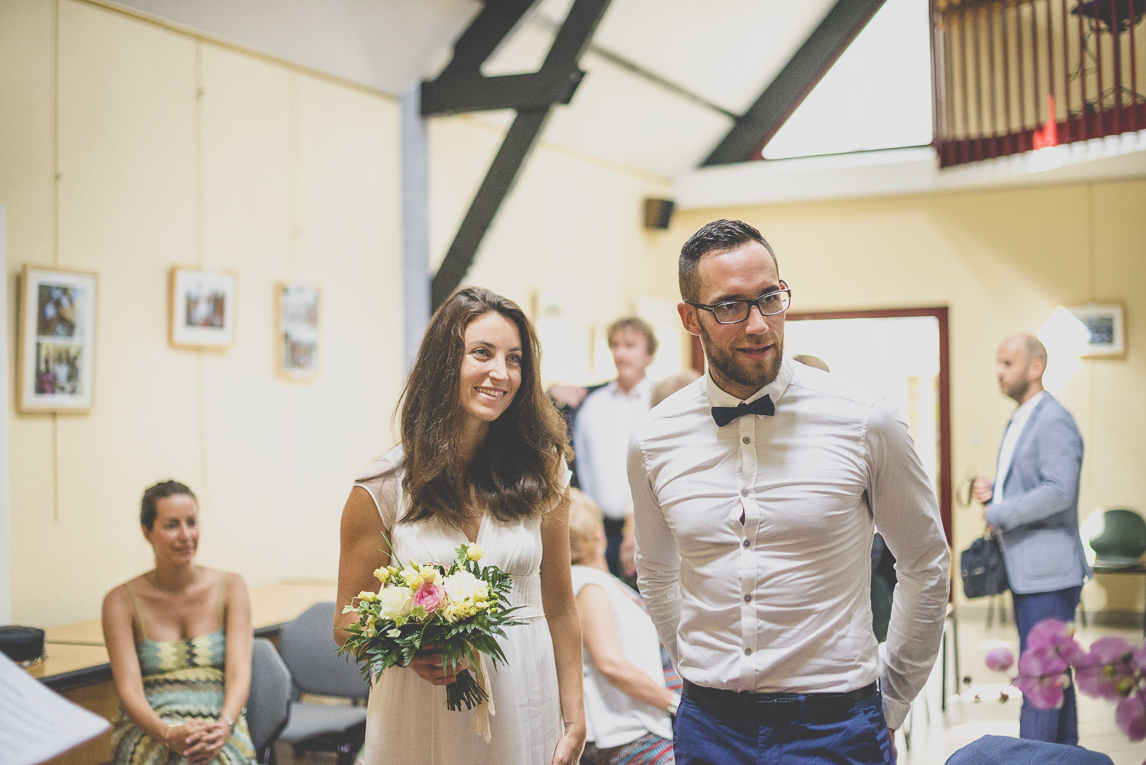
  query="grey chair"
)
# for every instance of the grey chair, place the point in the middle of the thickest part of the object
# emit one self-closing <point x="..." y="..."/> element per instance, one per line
<point x="268" y="706"/>
<point x="308" y="649"/>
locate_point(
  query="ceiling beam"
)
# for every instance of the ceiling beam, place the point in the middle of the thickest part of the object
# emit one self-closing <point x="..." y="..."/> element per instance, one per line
<point x="747" y="138"/>
<point x="461" y="87"/>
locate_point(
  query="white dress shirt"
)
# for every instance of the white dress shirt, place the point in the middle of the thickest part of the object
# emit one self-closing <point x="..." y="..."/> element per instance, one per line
<point x="1010" y="440"/>
<point x="754" y="539"/>
<point x="600" y="438"/>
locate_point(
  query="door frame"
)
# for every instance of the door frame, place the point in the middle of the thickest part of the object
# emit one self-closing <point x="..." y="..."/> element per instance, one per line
<point x="940" y="313"/>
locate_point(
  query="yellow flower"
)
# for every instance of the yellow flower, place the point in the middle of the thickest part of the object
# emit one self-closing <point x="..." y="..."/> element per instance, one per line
<point x="429" y="573"/>
<point x="368" y="597"/>
<point x="475" y="553"/>
<point x="382" y="575"/>
<point x="412" y="576"/>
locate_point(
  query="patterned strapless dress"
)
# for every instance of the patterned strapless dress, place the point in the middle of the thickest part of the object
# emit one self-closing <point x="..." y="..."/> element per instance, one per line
<point x="183" y="680"/>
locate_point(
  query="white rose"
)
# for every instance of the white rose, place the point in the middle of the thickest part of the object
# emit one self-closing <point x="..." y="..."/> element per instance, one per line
<point x="463" y="585"/>
<point x="394" y="602"/>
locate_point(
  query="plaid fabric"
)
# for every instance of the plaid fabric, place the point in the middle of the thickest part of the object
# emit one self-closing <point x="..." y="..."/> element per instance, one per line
<point x="646" y="750"/>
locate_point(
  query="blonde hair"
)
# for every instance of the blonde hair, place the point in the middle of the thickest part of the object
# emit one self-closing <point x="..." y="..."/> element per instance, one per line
<point x="584" y="524"/>
<point x="672" y="384"/>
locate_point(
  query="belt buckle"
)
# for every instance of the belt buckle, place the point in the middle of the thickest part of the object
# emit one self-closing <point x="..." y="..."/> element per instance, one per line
<point x="777" y="706"/>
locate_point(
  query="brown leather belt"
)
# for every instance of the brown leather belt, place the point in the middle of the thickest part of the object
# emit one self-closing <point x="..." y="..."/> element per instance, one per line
<point x="777" y="707"/>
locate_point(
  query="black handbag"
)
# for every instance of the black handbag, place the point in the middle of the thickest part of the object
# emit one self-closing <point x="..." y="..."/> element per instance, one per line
<point x="981" y="564"/>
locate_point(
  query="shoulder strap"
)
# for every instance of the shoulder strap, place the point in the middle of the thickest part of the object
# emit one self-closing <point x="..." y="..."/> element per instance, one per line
<point x="138" y="613"/>
<point x="222" y="599"/>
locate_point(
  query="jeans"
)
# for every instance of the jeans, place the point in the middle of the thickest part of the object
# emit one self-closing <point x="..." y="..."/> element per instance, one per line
<point x="704" y="737"/>
<point x="1058" y="726"/>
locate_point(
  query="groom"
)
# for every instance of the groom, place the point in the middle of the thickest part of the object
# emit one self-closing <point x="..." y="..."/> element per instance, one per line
<point x="756" y="491"/>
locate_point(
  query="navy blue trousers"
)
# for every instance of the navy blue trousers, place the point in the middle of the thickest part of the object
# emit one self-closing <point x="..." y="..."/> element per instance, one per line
<point x="1058" y="726"/>
<point x="703" y="737"/>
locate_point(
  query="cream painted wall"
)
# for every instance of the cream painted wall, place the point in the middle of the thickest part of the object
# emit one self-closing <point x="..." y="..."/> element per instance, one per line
<point x="1002" y="260"/>
<point x="572" y="228"/>
<point x="271" y="172"/>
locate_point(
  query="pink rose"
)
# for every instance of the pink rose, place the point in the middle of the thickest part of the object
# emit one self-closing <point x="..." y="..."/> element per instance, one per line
<point x="429" y="596"/>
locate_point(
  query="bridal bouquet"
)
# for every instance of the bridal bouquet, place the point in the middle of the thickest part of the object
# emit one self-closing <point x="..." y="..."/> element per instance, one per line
<point x="458" y="610"/>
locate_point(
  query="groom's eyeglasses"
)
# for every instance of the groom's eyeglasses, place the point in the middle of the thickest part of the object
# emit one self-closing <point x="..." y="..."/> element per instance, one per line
<point x="736" y="311"/>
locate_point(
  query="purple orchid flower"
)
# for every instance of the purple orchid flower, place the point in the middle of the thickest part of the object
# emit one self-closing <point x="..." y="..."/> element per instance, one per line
<point x="1131" y="716"/>
<point x="1057" y="636"/>
<point x="1106" y="671"/>
<point x="999" y="659"/>
<point x="1042" y="677"/>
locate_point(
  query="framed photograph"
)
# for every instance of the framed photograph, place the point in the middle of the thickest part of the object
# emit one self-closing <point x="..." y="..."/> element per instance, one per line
<point x="56" y="340"/>
<point x="297" y="330"/>
<point x="1106" y="327"/>
<point x="203" y="308"/>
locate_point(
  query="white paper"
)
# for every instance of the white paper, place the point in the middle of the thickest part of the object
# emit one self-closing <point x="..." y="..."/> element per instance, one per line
<point x="36" y="724"/>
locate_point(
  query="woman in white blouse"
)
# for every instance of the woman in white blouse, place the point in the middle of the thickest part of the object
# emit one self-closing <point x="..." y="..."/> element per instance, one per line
<point x="627" y="705"/>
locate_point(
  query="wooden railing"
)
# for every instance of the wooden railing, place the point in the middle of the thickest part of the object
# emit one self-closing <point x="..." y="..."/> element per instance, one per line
<point x="1008" y="73"/>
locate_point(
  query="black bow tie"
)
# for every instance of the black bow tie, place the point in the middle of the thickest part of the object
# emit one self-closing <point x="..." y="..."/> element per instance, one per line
<point x="726" y="414"/>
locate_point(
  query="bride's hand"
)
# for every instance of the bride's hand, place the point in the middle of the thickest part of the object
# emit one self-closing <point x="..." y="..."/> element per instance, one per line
<point x="429" y="666"/>
<point x="569" y="747"/>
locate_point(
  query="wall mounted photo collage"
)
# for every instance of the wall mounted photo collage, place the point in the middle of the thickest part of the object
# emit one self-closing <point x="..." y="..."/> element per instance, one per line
<point x="57" y="318"/>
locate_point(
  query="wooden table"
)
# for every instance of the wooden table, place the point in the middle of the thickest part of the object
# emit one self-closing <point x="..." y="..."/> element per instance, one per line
<point x="77" y="665"/>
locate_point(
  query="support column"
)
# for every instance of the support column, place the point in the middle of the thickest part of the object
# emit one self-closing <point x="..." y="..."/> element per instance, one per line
<point x="415" y="223"/>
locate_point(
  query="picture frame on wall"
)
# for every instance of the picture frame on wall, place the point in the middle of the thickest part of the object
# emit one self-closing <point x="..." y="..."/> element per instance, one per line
<point x="203" y="304"/>
<point x="56" y="340"/>
<point x="297" y="324"/>
<point x="1107" y="329"/>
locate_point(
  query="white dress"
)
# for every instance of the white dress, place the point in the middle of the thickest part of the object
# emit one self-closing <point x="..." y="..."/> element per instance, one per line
<point x="407" y="720"/>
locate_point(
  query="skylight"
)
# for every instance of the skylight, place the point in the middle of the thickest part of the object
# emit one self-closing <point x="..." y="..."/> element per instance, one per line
<point x="876" y="96"/>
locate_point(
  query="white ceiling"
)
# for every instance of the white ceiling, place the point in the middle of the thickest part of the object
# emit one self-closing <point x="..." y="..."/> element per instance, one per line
<point x="387" y="45"/>
<point x="723" y="51"/>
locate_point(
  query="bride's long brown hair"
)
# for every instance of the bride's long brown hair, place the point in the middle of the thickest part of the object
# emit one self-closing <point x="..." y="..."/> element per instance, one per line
<point x="516" y="472"/>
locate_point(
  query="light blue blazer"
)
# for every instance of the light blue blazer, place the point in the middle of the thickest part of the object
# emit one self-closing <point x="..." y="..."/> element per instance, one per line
<point x="1038" y="517"/>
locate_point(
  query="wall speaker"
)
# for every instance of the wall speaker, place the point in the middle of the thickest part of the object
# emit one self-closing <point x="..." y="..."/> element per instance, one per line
<point x="658" y="213"/>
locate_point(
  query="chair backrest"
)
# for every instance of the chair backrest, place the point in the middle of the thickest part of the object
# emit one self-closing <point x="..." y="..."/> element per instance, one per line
<point x="268" y="705"/>
<point x="308" y="648"/>
<point x="1121" y="539"/>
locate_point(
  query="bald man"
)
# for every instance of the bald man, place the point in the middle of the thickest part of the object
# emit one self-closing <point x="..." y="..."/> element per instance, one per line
<point x="1033" y="503"/>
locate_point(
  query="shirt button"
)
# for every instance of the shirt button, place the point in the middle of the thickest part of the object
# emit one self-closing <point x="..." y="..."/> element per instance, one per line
<point x="747" y="440"/>
<point x="746" y="543"/>
<point x="744" y="492"/>
<point x="747" y="651"/>
<point x="747" y="598"/>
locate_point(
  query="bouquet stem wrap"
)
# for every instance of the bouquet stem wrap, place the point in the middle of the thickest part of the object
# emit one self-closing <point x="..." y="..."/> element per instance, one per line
<point x="485" y="709"/>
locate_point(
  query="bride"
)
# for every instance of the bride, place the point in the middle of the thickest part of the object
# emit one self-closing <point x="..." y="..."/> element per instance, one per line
<point x="482" y="461"/>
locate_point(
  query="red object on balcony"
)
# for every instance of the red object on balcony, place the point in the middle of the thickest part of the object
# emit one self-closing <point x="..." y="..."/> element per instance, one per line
<point x="1047" y="135"/>
<point x="1016" y="75"/>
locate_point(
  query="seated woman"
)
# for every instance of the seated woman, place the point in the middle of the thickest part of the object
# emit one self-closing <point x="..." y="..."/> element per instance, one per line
<point x="627" y="705"/>
<point x="179" y="640"/>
